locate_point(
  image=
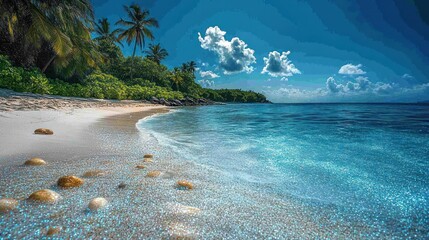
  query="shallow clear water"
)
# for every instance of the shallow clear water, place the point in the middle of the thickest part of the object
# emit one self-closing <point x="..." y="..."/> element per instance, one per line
<point x="358" y="164"/>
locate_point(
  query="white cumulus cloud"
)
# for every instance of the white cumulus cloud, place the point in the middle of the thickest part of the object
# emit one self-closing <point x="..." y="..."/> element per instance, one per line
<point x="208" y="74"/>
<point x="359" y="86"/>
<point x="350" y="69"/>
<point x="278" y="65"/>
<point x="234" y="56"/>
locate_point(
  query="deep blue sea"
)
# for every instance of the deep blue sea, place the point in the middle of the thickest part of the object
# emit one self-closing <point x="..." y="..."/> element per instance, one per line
<point x="361" y="163"/>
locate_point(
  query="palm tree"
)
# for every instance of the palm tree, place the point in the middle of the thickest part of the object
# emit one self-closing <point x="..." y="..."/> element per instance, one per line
<point x="190" y="66"/>
<point x="176" y="77"/>
<point x="102" y="28"/>
<point x="138" y="26"/>
<point x="54" y="23"/>
<point x="156" y="53"/>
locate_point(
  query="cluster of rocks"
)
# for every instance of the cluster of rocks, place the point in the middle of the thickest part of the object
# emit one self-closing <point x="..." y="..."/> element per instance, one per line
<point x="183" y="102"/>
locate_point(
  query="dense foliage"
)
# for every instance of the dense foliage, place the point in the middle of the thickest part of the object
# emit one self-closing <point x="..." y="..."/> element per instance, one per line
<point x="46" y="47"/>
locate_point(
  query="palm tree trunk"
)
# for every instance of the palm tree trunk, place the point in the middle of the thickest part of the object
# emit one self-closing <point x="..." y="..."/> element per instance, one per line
<point x="134" y="53"/>
<point x="48" y="63"/>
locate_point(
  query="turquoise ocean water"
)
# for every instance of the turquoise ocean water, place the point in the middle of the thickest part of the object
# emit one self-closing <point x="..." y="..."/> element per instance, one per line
<point x="361" y="163"/>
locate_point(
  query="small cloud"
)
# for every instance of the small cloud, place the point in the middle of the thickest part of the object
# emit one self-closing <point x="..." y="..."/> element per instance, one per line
<point x="208" y="74"/>
<point x="278" y="65"/>
<point x="350" y="69"/>
<point x="407" y="76"/>
<point x="234" y="56"/>
<point x="206" y="83"/>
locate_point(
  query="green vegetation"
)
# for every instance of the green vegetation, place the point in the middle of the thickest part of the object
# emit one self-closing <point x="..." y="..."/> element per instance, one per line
<point x="47" y="48"/>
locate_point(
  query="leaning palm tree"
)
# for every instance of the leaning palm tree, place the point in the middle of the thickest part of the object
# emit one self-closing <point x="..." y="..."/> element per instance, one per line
<point x="156" y="53"/>
<point x="53" y="23"/>
<point x="138" y="26"/>
<point x="104" y="32"/>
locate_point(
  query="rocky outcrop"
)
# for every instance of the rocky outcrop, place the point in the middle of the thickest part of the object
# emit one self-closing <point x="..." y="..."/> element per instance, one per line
<point x="183" y="102"/>
<point x="69" y="182"/>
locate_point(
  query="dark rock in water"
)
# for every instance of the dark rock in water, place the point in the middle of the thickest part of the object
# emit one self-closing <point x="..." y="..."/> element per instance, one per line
<point x="43" y="131"/>
<point x="154" y="100"/>
<point x="163" y="101"/>
<point x="122" y="185"/>
<point x="190" y="100"/>
<point x="177" y="102"/>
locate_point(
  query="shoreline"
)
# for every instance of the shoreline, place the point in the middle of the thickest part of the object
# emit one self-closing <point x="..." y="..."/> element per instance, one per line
<point x="107" y="139"/>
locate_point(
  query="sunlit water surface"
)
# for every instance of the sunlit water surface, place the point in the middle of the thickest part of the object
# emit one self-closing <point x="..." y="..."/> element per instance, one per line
<point x="367" y="163"/>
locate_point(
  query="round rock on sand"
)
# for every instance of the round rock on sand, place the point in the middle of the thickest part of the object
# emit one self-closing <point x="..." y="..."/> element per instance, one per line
<point x="97" y="203"/>
<point x="69" y="181"/>
<point x="53" y="230"/>
<point x="94" y="173"/>
<point x="183" y="184"/>
<point x="45" y="196"/>
<point x="43" y="131"/>
<point x="35" y="162"/>
<point x="148" y="156"/>
<point x="7" y="204"/>
<point x="153" y="174"/>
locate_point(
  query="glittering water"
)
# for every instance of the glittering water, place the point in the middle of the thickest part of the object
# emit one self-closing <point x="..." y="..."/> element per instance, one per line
<point x="364" y="166"/>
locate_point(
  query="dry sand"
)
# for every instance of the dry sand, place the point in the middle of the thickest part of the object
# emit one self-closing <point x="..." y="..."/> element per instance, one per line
<point x="72" y="129"/>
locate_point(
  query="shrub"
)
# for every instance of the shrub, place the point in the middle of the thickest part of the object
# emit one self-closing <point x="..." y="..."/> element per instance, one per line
<point x="103" y="85"/>
<point x="21" y="80"/>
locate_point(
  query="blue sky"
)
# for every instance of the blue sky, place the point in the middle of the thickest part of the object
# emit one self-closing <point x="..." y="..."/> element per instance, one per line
<point x="295" y="50"/>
